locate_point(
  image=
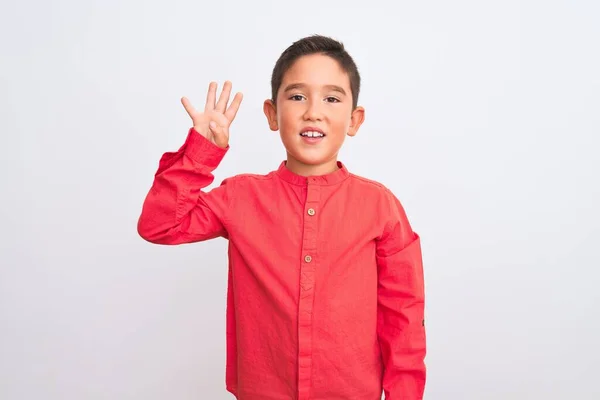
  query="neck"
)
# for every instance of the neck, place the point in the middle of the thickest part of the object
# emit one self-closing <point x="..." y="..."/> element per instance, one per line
<point x="302" y="169"/>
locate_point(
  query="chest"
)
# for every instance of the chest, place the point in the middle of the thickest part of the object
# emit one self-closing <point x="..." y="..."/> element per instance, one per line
<point x="332" y="223"/>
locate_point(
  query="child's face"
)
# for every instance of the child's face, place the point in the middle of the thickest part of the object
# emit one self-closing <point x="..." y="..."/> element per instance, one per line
<point x="314" y="94"/>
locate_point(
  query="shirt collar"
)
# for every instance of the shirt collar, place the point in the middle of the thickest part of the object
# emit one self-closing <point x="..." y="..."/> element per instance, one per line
<point x="328" y="179"/>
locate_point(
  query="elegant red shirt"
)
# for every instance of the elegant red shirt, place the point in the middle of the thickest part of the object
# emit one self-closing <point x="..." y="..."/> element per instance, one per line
<point x="325" y="292"/>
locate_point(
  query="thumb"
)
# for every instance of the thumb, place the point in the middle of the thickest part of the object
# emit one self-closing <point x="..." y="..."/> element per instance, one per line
<point x="219" y="133"/>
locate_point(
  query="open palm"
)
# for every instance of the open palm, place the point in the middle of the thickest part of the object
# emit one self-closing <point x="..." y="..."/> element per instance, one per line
<point x="214" y="122"/>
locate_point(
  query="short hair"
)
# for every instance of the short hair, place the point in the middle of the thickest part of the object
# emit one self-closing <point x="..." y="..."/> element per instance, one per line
<point x="316" y="44"/>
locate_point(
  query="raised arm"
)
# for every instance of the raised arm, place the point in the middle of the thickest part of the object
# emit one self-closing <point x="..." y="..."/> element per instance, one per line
<point x="176" y="210"/>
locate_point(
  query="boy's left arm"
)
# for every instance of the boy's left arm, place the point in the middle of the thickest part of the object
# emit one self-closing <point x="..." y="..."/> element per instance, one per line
<point x="400" y="308"/>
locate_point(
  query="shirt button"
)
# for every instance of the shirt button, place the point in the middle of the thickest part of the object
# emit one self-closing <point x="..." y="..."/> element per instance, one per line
<point x="307" y="259"/>
<point x="311" y="211"/>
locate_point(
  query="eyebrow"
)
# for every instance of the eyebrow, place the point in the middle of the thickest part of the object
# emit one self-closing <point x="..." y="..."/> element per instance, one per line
<point x="293" y="86"/>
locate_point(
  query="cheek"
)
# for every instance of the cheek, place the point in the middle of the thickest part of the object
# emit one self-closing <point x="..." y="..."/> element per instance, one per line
<point x="341" y="122"/>
<point x="285" y="116"/>
<point x="289" y="119"/>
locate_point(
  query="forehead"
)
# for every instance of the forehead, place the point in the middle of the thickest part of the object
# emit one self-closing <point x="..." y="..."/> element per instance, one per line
<point x="316" y="70"/>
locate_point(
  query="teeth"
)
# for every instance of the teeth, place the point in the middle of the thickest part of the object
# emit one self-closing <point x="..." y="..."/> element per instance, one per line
<point x="312" y="134"/>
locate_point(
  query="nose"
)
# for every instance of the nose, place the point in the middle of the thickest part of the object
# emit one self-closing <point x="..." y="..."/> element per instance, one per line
<point x="313" y="111"/>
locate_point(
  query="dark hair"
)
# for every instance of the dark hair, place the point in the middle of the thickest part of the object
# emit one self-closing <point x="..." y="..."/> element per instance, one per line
<point x="316" y="44"/>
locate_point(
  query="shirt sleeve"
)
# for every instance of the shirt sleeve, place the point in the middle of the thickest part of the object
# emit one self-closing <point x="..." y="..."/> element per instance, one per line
<point x="176" y="210"/>
<point x="400" y="309"/>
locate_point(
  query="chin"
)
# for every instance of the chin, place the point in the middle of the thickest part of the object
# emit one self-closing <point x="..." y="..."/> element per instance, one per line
<point x="312" y="159"/>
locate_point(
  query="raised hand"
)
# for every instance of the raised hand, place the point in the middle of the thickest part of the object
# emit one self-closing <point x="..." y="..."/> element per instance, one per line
<point x="216" y="119"/>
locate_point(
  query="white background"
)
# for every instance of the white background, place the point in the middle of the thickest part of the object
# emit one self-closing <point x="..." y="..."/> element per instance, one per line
<point x="482" y="117"/>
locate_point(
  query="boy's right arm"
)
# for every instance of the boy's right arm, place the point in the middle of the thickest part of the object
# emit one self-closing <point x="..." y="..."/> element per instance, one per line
<point x="176" y="210"/>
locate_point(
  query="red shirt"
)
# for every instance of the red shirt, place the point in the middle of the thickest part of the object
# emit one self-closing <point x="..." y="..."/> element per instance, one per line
<point x="325" y="292"/>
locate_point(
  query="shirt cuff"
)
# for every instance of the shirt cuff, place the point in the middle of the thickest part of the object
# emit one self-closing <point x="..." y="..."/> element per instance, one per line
<point x="203" y="151"/>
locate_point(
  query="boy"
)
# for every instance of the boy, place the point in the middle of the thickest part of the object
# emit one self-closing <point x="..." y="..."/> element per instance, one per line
<point x="325" y="291"/>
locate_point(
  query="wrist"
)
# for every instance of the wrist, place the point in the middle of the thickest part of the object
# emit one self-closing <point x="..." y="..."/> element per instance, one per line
<point x="204" y="151"/>
<point x="209" y="136"/>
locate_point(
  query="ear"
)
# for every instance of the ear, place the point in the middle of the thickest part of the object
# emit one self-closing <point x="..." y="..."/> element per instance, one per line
<point x="356" y="120"/>
<point x="271" y="113"/>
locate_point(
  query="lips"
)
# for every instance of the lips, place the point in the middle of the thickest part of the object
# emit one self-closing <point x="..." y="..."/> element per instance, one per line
<point x="312" y="132"/>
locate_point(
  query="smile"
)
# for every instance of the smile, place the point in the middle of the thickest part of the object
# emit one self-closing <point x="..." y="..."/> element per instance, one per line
<point x="312" y="134"/>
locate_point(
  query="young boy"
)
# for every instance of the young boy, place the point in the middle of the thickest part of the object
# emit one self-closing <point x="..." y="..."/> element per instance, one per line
<point x="325" y="292"/>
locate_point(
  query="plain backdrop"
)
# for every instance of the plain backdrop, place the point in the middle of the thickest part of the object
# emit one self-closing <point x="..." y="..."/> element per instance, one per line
<point x="481" y="116"/>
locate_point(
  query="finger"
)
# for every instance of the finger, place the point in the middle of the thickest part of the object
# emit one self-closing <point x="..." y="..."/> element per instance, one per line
<point x="224" y="98"/>
<point x="234" y="107"/>
<point x="188" y="106"/>
<point x="210" y="97"/>
<point x="219" y="134"/>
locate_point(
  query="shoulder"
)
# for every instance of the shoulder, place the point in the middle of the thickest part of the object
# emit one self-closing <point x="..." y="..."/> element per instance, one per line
<point x="396" y="224"/>
<point x="371" y="187"/>
<point x="249" y="177"/>
<point x="378" y="193"/>
<point x="247" y="180"/>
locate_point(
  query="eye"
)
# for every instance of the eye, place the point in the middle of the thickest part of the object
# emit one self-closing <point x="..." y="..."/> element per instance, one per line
<point x="331" y="99"/>
<point x="297" y="97"/>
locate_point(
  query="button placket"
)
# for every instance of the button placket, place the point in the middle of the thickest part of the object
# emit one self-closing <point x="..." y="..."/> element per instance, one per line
<point x="308" y="265"/>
